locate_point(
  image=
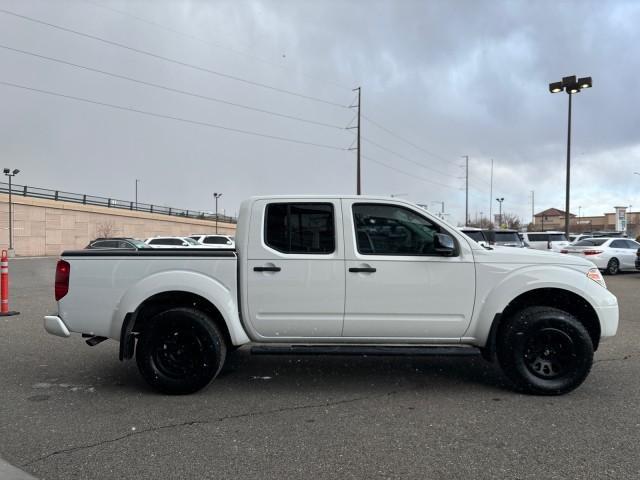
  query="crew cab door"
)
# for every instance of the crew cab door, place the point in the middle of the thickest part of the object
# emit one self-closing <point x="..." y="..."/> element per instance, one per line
<point x="295" y="269"/>
<point x="397" y="286"/>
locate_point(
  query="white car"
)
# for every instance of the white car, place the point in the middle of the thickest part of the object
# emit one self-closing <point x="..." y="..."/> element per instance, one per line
<point x="214" y="241"/>
<point x="338" y="274"/>
<point x="173" y="242"/>
<point x="554" y="241"/>
<point x="611" y="255"/>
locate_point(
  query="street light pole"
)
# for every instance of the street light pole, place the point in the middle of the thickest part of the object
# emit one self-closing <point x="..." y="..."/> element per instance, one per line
<point x="571" y="86"/>
<point x="500" y="200"/>
<point x="216" y="196"/>
<point x="10" y="173"/>
<point x="137" y="180"/>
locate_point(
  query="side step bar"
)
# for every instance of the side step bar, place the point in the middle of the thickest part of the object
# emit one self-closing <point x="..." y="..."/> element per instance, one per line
<point x="364" y="350"/>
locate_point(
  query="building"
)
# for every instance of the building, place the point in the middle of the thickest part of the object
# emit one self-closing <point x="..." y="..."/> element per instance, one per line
<point x="551" y="219"/>
<point x="618" y="220"/>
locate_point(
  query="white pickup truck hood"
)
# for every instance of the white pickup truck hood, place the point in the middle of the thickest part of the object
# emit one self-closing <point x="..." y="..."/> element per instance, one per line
<point x="529" y="256"/>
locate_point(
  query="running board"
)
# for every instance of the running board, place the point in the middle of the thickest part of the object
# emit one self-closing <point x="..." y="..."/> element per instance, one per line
<point x="364" y="350"/>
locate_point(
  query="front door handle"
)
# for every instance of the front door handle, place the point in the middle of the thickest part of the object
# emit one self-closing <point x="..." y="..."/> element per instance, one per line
<point x="362" y="269"/>
<point x="266" y="269"/>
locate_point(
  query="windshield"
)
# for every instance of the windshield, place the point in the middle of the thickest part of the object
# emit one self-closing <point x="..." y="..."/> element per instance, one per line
<point x="507" y="237"/>
<point x="139" y="243"/>
<point x="591" y="242"/>
<point x="476" y="235"/>
<point x="191" y="241"/>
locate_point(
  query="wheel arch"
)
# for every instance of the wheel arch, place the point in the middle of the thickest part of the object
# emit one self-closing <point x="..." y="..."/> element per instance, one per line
<point x="136" y="321"/>
<point x="555" y="297"/>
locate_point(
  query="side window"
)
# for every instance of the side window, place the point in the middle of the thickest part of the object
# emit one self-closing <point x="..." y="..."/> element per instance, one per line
<point x="538" y="237"/>
<point x="391" y="230"/>
<point x="300" y="227"/>
<point x="632" y="244"/>
<point x="156" y="241"/>
<point x="618" y="244"/>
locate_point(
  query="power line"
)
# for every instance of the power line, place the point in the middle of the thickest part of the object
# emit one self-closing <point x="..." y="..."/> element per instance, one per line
<point x="171" y="117"/>
<point x="382" y="147"/>
<point x="209" y="42"/>
<point x="382" y="127"/>
<point x="173" y="60"/>
<point x="407" y="173"/>
<point x="170" y="89"/>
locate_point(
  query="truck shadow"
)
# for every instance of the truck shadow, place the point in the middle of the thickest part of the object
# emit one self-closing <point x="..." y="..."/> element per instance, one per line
<point x="252" y="374"/>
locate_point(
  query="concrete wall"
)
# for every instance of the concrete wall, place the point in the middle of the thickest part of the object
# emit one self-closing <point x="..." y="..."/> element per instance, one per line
<point x="46" y="227"/>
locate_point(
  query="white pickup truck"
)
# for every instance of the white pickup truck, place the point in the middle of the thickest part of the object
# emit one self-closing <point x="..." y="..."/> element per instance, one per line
<point x="338" y="274"/>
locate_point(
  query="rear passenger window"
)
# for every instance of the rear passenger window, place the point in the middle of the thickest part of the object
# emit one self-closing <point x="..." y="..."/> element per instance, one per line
<point x="538" y="237"/>
<point x="300" y="227"/>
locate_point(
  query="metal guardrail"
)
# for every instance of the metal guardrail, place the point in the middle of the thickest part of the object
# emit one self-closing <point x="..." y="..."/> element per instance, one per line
<point x="36" y="192"/>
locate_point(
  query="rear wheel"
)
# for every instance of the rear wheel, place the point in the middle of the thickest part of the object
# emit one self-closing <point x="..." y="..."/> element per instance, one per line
<point x="613" y="267"/>
<point x="544" y="351"/>
<point x="181" y="351"/>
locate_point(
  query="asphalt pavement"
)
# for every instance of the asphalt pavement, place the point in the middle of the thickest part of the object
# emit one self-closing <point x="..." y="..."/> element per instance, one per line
<point x="70" y="411"/>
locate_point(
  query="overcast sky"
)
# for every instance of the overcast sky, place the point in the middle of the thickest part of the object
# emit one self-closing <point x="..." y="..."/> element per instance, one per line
<point x="450" y="78"/>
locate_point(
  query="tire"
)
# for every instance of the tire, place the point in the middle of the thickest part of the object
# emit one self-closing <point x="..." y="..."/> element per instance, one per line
<point x="613" y="267"/>
<point x="544" y="351"/>
<point x="181" y="351"/>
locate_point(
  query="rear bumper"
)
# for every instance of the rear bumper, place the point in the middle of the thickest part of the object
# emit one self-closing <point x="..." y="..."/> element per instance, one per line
<point x="55" y="326"/>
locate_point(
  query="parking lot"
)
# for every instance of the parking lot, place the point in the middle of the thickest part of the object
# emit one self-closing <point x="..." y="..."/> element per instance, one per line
<point x="70" y="411"/>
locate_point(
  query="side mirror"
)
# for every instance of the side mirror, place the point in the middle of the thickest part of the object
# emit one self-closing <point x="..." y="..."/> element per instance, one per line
<point x="185" y="244"/>
<point x="444" y="244"/>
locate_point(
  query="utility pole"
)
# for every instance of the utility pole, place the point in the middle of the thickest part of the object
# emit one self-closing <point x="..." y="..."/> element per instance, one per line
<point x="466" y="188"/>
<point x="216" y="196"/>
<point x="357" y="127"/>
<point x="137" y="180"/>
<point x="491" y="196"/>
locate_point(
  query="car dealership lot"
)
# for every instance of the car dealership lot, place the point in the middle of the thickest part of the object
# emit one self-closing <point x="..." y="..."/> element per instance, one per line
<point x="71" y="411"/>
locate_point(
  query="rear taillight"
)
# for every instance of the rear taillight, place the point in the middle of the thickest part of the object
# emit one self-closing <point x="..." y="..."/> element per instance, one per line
<point x="592" y="252"/>
<point x="63" y="269"/>
<point x="564" y="251"/>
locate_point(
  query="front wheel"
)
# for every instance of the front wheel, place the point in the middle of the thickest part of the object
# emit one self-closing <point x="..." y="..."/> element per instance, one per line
<point x="180" y="351"/>
<point x="544" y="351"/>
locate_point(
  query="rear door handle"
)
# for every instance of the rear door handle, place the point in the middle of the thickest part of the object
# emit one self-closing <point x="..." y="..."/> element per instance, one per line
<point x="362" y="269"/>
<point x="266" y="269"/>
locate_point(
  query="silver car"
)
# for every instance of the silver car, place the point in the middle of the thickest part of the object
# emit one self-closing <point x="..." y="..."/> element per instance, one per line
<point x="611" y="255"/>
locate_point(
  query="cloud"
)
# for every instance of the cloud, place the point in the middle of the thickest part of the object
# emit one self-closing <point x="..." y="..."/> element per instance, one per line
<point x="455" y="78"/>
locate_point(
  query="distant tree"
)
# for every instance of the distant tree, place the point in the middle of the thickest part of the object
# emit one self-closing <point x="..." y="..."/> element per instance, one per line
<point x="511" y="220"/>
<point x="105" y="229"/>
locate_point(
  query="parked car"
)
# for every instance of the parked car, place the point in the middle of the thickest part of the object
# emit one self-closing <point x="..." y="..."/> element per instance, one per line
<point x="504" y="238"/>
<point x="214" y="241"/>
<point x="347" y="274"/>
<point x="611" y="255"/>
<point x="573" y="238"/>
<point x="554" y="241"/>
<point x="476" y="234"/>
<point x="638" y="259"/>
<point x="173" y="242"/>
<point x="117" y="242"/>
